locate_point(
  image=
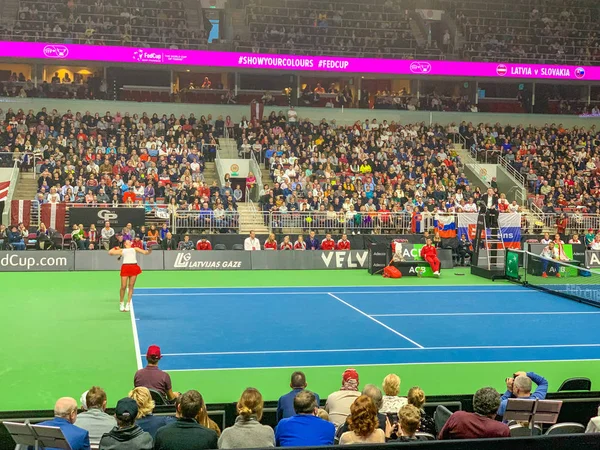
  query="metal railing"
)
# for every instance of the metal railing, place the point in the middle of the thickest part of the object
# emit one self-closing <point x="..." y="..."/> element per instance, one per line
<point x="221" y="221"/>
<point x="519" y="178"/>
<point x="255" y="169"/>
<point x="14" y="176"/>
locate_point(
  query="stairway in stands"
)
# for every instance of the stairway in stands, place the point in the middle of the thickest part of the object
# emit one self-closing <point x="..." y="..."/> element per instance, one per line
<point x="251" y="219"/>
<point x="228" y="148"/>
<point x="26" y="187"/>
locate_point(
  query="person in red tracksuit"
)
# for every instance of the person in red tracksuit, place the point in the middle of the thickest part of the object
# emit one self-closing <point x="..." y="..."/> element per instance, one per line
<point x="343" y="243"/>
<point x="203" y="244"/>
<point x="300" y="244"/>
<point x="271" y="243"/>
<point x="286" y="244"/>
<point x="328" y="243"/>
<point x="429" y="254"/>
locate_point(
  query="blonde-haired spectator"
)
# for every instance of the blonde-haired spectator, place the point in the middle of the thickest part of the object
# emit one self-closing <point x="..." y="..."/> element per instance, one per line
<point x="322" y="414"/>
<point x="391" y="388"/>
<point x="248" y="432"/>
<point x="145" y="419"/>
<point x="409" y="420"/>
<point x="416" y="397"/>
<point x="203" y="419"/>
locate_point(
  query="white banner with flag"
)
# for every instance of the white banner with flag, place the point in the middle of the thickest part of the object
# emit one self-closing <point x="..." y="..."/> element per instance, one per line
<point x="510" y="227"/>
<point x="430" y="14"/>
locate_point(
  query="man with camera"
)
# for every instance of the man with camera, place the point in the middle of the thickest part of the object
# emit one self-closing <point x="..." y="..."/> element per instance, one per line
<point x="519" y="386"/>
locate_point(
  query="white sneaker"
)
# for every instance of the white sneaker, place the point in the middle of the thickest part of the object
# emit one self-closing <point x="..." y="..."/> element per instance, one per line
<point x="436" y="274"/>
<point x="121" y="306"/>
<point x="127" y="307"/>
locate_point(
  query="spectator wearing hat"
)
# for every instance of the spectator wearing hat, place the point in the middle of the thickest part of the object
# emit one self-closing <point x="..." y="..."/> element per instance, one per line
<point x="126" y="435"/>
<point x="94" y="419"/>
<point x="285" y="405"/>
<point x="152" y="377"/>
<point x="186" y="433"/>
<point x="338" y="403"/>
<point x="65" y="415"/>
<point x="305" y="428"/>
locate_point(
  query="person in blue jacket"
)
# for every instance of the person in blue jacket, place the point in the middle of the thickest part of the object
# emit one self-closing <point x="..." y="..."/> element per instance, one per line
<point x="520" y="387"/>
<point x="305" y="429"/>
<point x="65" y="414"/>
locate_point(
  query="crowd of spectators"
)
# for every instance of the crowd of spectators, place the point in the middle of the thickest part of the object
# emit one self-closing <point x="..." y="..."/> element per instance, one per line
<point x="551" y="31"/>
<point x="378" y="29"/>
<point x="349" y="415"/>
<point x="368" y="175"/>
<point x="560" y="166"/>
<point x="433" y="102"/>
<point x="148" y="23"/>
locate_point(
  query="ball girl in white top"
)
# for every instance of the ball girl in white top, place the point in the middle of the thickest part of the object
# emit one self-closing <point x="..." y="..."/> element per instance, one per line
<point x="129" y="270"/>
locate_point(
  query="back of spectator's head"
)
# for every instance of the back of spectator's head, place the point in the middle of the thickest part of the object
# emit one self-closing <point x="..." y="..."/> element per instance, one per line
<point x="298" y="380"/>
<point x="363" y="416"/>
<point x="486" y="401"/>
<point x="522" y="385"/>
<point x="250" y="404"/>
<point x="189" y="404"/>
<point x="95" y="398"/>
<point x="409" y="417"/>
<point x="416" y="397"/>
<point x="83" y="398"/>
<point x="66" y="408"/>
<point x="305" y="402"/>
<point x="143" y="398"/>
<point x="125" y="412"/>
<point x="372" y="391"/>
<point x="350" y="379"/>
<point x="322" y="414"/>
<point x="153" y="354"/>
<point x="391" y="385"/>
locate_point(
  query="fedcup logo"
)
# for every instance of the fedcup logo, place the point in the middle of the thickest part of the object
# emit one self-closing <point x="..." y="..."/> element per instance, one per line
<point x="501" y="70"/>
<point x="141" y="55"/>
<point x="579" y="72"/>
<point x="56" y="51"/>
<point x="420" y="67"/>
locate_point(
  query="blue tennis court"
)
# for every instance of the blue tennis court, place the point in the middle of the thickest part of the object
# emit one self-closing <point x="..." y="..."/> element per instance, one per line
<point x="237" y="328"/>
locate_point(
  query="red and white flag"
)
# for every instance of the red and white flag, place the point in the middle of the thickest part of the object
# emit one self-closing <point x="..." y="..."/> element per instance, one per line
<point x="4" y="190"/>
<point x="53" y="216"/>
<point x="20" y="211"/>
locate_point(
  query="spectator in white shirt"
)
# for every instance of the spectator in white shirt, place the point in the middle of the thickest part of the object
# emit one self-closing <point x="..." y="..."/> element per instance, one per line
<point x="53" y="197"/>
<point x="251" y="243"/>
<point x="513" y="207"/>
<point x="292" y="115"/>
<point x="106" y="233"/>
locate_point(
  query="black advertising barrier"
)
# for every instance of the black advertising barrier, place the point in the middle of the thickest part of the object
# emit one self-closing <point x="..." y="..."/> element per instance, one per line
<point x="207" y="260"/>
<point x="118" y="217"/>
<point x="592" y="259"/>
<point x="379" y="257"/>
<point x="33" y="261"/>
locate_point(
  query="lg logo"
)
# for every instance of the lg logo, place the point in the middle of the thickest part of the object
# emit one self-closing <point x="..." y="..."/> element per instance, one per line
<point x="106" y="214"/>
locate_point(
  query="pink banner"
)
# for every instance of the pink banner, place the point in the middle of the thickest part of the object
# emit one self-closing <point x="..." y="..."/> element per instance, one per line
<point x="74" y="52"/>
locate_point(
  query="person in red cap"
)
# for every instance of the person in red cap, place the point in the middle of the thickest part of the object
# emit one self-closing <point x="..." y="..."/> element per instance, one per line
<point x="152" y="377"/>
<point x="339" y="402"/>
<point x="129" y="270"/>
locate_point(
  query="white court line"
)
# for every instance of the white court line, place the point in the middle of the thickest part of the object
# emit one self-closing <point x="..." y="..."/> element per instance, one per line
<point x="508" y="285"/>
<point x="136" y="340"/>
<point x="384" y="349"/>
<point x="545" y="313"/>
<point x="375" y="320"/>
<point x="445" y="363"/>
<point x="462" y="291"/>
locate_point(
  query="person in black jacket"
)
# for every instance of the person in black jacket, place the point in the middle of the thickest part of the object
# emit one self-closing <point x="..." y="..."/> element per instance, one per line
<point x="186" y="433"/>
<point x="489" y="205"/>
<point x="463" y="250"/>
<point x="169" y="243"/>
<point x="126" y="435"/>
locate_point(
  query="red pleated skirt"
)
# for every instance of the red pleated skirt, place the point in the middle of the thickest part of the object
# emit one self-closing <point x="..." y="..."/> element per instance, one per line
<point x="130" y="270"/>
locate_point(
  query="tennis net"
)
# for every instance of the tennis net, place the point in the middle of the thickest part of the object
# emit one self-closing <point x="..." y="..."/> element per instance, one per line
<point x="568" y="279"/>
